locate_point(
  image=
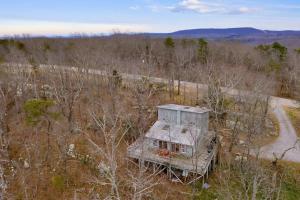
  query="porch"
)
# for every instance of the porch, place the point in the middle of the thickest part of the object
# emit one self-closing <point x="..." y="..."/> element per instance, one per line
<point x="198" y="164"/>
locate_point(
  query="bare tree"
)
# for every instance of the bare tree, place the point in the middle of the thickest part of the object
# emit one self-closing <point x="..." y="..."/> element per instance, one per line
<point x="143" y="182"/>
<point x="281" y="156"/>
<point x="108" y="121"/>
<point x="184" y="55"/>
<point x="251" y="181"/>
<point x="67" y="89"/>
<point x="109" y="167"/>
<point x="4" y="139"/>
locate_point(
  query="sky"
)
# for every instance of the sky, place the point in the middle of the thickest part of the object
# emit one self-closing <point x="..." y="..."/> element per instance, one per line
<point x="64" y="17"/>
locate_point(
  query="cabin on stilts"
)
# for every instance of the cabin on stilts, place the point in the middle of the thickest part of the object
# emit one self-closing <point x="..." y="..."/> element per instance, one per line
<point x="179" y="143"/>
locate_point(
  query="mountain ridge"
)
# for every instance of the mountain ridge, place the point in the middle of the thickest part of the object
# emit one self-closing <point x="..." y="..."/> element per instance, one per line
<point x="243" y="34"/>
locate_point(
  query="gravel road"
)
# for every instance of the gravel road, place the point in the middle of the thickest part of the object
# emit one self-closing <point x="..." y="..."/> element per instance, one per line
<point x="287" y="134"/>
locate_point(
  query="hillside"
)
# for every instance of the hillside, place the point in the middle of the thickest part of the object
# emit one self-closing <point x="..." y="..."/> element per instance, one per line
<point x="65" y="133"/>
<point x="245" y="35"/>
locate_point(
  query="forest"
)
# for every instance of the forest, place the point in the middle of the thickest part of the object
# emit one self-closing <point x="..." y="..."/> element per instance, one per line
<point x="64" y="133"/>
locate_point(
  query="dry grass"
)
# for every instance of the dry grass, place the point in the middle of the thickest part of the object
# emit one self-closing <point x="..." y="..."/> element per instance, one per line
<point x="78" y="173"/>
<point x="294" y="115"/>
<point x="271" y="133"/>
<point x="49" y="180"/>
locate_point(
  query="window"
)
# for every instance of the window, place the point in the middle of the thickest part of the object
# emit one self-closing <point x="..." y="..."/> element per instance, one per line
<point x="183" y="148"/>
<point x="163" y="145"/>
<point x="155" y="143"/>
<point x="175" y="148"/>
<point x="166" y="127"/>
<point x="192" y="123"/>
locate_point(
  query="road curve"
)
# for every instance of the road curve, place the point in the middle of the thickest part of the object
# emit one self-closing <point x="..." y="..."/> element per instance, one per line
<point x="287" y="135"/>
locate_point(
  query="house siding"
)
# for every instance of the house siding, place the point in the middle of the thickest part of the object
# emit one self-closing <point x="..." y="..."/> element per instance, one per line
<point x="200" y="120"/>
<point x="149" y="142"/>
<point x="185" y="118"/>
<point x="168" y="116"/>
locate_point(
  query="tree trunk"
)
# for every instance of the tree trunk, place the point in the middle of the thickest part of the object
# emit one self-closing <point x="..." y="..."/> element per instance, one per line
<point x="178" y="89"/>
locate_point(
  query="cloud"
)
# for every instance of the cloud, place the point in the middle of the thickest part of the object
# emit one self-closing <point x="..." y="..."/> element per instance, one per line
<point x="17" y="27"/>
<point x="155" y="8"/>
<point x="134" y="7"/>
<point x="205" y="7"/>
<point x="197" y="6"/>
<point x="243" y="10"/>
<point x="159" y="7"/>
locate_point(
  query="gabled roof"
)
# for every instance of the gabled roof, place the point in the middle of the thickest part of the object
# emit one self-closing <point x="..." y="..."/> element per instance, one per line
<point x="184" y="108"/>
<point x="174" y="133"/>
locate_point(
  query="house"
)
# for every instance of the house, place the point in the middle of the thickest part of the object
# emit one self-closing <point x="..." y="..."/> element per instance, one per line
<point x="179" y="140"/>
<point x="179" y="129"/>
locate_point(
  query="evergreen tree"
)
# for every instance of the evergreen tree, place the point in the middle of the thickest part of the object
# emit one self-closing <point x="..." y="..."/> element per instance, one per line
<point x="169" y="42"/>
<point x="202" y="50"/>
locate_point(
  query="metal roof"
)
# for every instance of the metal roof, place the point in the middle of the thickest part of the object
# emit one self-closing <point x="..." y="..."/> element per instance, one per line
<point x="174" y="133"/>
<point x="184" y="108"/>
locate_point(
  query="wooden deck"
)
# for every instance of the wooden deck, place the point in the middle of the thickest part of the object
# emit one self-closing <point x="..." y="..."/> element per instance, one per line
<point x="198" y="164"/>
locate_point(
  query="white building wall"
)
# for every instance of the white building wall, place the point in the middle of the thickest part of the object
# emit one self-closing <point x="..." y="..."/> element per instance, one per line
<point x="150" y="143"/>
<point x="188" y="118"/>
<point x="203" y="122"/>
<point x="189" y="151"/>
<point x="168" y="116"/>
<point x="199" y="120"/>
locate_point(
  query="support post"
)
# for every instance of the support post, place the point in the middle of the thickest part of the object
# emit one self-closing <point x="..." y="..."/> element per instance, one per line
<point x="141" y="163"/>
<point x="207" y="173"/>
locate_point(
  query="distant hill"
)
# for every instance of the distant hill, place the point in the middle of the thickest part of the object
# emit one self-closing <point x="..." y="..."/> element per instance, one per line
<point x="218" y="33"/>
<point x="245" y="35"/>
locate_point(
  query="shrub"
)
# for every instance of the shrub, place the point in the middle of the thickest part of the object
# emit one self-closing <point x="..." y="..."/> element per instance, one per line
<point x="35" y="109"/>
<point x="58" y="182"/>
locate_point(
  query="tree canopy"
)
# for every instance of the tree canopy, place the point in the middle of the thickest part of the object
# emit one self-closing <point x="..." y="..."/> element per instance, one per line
<point x="36" y="109"/>
<point x="202" y="50"/>
<point x="169" y="42"/>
